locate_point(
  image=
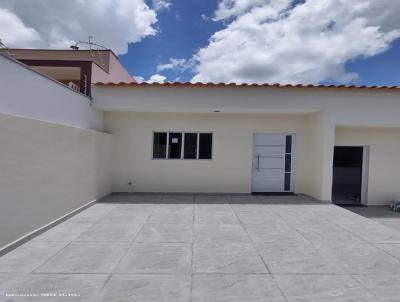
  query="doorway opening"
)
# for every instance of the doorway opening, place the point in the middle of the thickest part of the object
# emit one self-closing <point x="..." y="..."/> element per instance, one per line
<point x="347" y="183"/>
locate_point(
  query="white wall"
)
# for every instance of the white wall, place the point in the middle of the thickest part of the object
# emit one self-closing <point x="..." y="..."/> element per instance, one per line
<point x="228" y="171"/>
<point x="27" y="93"/>
<point x="384" y="163"/>
<point x="345" y="107"/>
<point x="46" y="171"/>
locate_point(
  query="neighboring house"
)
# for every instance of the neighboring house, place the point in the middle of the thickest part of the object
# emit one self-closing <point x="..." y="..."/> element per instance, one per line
<point x="75" y="68"/>
<point x="62" y="149"/>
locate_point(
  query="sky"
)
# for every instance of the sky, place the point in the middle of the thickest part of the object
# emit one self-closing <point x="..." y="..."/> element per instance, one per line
<point x="243" y="41"/>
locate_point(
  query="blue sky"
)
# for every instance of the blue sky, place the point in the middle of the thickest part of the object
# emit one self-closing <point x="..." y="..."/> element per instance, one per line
<point x="182" y="31"/>
<point x="242" y="41"/>
<point x="382" y="69"/>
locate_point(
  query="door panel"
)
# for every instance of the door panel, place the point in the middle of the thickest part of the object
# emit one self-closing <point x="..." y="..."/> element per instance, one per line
<point x="268" y="169"/>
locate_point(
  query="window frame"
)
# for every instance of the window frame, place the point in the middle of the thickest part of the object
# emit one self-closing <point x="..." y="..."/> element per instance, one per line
<point x="183" y="145"/>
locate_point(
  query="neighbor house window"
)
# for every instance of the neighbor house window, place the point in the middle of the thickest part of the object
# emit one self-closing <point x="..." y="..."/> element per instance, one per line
<point x="182" y="145"/>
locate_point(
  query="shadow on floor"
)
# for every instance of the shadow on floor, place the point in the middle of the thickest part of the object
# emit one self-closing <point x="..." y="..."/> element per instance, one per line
<point x="381" y="214"/>
<point x="182" y="198"/>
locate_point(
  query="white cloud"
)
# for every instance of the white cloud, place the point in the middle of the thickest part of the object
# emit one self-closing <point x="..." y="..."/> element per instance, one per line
<point x="13" y="30"/>
<point x="278" y="42"/>
<point x="176" y="64"/>
<point x="230" y="8"/>
<point x="57" y="24"/>
<point x="138" y="79"/>
<point x="159" y="5"/>
<point x="157" y="78"/>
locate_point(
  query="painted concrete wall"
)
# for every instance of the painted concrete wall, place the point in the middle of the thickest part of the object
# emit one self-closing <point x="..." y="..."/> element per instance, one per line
<point x="228" y="171"/>
<point x="46" y="171"/>
<point x="117" y="73"/>
<point x="27" y="93"/>
<point x="357" y="108"/>
<point x="384" y="163"/>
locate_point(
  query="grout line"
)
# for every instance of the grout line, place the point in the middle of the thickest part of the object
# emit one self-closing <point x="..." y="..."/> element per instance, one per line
<point x="192" y="258"/>
<point x="134" y="239"/>
<point x="259" y="255"/>
<point x="48" y="259"/>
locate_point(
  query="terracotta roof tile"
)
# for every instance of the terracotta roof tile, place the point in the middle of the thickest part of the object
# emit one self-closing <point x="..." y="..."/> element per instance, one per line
<point x="243" y="85"/>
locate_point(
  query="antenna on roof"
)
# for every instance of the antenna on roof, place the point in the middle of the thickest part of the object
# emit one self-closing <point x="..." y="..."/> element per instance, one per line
<point x="94" y="47"/>
<point x="75" y="47"/>
<point x="91" y="44"/>
<point x="4" y="46"/>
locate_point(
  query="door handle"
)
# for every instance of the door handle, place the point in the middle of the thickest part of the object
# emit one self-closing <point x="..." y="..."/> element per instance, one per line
<point x="258" y="162"/>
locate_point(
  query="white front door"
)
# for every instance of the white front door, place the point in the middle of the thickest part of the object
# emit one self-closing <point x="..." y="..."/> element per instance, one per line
<point x="272" y="162"/>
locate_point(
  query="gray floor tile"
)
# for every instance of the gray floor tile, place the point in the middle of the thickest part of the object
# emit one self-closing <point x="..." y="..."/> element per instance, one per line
<point x="129" y="216"/>
<point x="157" y="258"/>
<point x="166" y="233"/>
<point x="297" y="258"/>
<point x="211" y="199"/>
<point x="242" y="199"/>
<point x="239" y="258"/>
<point x="146" y="288"/>
<point x="52" y="287"/>
<point x="385" y="287"/>
<point x="180" y="217"/>
<point x="259" y="217"/>
<point x="318" y="288"/>
<point x="235" y="288"/>
<point x="392" y="249"/>
<point x="374" y="233"/>
<point x="308" y="247"/>
<point x="217" y="207"/>
<point x="175" y="207"/>
<point x="111" y="231"/>
<point x="215" y="217"/>
<point x="29" y="256"/>
<point x="85" y="257"/>
<point x="326" y="232"/>
<point x="224" y="233"/>
<point x="137" y="207"/>
<point x="93" y="213"/>
<point x="362" y="258"/>
<point x="178" y="198"/>
<point x="64" y="232"/>
<point x="273" y="233"/>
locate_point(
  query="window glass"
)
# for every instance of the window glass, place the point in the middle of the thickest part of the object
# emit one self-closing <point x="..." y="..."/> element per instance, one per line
<point x="287" y="182"/>
<point x="288" y="144"/>
<point x="205" y="145"/>
<point x="175" y="145"/>
<point x="288" y="163"/>
<point x="160" y="145"/>
<point x="190" y="146"/>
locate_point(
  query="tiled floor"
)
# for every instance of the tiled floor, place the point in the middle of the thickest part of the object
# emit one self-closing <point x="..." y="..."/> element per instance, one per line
<point x="208" y="248"/>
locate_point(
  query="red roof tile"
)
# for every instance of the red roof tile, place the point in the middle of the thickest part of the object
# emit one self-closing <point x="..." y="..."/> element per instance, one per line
<point x="265" y="85"/>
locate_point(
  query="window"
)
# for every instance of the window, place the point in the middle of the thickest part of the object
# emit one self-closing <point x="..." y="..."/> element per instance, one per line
<point x="205" y="145"/>
<point x="182" y="145"/>
<point x="175" y="145"/>
<point x="160" y="145"/>
<point x="190" y="149"/>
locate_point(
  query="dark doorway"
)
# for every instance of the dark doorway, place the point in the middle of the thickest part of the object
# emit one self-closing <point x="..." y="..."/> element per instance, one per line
<point x="347" y="175"/>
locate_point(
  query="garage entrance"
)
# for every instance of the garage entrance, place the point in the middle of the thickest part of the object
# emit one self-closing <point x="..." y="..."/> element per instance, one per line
<point x="347" y="175"/>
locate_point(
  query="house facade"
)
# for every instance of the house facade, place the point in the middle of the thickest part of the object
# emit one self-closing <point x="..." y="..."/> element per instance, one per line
<point x="316" y="140"/>
<point x="63" y="149"/>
